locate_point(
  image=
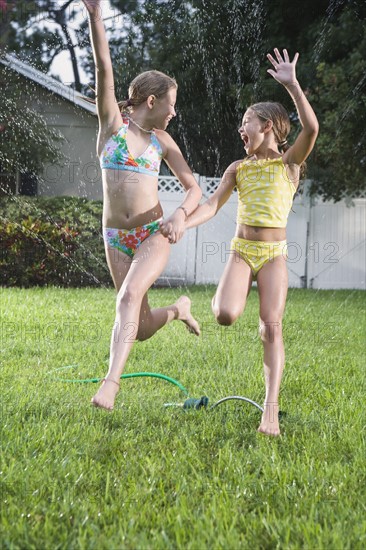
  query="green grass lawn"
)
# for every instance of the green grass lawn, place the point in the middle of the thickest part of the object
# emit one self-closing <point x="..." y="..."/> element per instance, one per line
<point x="149" y="477"/>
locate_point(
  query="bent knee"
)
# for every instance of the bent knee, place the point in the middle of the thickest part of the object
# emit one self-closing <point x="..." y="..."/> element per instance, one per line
<point x="142" y="334"/>
<point x="225" y="317"/>
<point x="129" y="294"/>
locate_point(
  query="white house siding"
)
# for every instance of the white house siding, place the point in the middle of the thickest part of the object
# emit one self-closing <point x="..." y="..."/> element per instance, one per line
<point x="63" y="109"/>
<point x="80" y="174"/>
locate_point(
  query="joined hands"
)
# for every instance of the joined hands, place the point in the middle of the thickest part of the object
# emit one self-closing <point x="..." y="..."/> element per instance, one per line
<point x="173" y="227"/>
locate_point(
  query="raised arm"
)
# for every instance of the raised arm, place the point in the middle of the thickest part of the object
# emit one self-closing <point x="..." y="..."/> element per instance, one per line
<point x="285" y="73"/>
<point x="209" y="209"/>
<point x="107" y="108"/>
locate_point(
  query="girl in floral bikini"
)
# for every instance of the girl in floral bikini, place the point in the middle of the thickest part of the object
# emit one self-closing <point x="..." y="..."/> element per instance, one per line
<point x="266" y="181"/>
<point x="131" y="145"/>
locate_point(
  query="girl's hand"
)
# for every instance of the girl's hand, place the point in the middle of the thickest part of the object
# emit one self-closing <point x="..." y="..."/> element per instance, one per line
<point x="285" y="72"/>
<point x="174" y="227"/>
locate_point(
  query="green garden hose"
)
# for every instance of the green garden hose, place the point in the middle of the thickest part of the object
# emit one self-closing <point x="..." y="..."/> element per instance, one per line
<point x="131" y="375"/>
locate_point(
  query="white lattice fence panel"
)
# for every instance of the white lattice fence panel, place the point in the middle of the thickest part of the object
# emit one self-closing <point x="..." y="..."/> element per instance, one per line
<point x="170" y="184"/>
<point x="209" y="185"/>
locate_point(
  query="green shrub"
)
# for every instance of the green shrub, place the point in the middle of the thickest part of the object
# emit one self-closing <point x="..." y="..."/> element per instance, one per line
<point x="52" y="241"/>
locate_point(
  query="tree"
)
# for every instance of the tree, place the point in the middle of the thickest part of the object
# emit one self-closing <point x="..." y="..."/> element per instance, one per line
<point x="339" y="97"/>
<point x="217" y="52"/>
<point x="193" y="41"/>
<point x="28" y="34"/>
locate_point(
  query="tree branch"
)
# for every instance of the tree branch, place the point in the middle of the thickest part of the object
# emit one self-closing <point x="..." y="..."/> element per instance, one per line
<point x="66" y="5"/>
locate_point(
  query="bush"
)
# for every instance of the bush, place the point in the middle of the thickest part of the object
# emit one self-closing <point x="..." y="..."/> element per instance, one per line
<point x="52" y="241"/>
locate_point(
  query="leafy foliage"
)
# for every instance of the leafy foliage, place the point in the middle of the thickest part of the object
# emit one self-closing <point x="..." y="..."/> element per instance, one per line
<point x="52" y="241"/>
<point x="340" y="102"/>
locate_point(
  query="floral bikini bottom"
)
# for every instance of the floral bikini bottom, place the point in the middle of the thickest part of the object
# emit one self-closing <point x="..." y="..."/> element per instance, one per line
<point x="129" y="240"/>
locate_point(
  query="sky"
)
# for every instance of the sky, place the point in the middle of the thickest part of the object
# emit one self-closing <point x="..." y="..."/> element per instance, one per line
<point x="61" y="65"/>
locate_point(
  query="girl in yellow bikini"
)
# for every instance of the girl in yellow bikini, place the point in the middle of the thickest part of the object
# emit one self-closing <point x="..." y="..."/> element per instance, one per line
<point x="266" y="181"/>
<point x="131" y="145"/>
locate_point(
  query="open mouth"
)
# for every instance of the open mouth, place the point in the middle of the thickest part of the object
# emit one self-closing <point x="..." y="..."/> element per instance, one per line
<point x="245" y="139"/>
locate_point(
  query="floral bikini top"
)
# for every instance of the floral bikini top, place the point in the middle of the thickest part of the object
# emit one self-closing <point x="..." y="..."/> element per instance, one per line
<point x="116" y="156"/>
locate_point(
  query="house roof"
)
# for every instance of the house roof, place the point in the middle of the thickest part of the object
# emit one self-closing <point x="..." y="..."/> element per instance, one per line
<point x="51" y="84"/>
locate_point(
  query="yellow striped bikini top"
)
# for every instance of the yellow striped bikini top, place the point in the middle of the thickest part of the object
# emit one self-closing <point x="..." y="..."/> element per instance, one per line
<point x="265" y="193"/>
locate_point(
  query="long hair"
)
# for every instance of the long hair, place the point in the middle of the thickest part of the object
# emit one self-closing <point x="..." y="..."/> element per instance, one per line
<point x="142" y="86"/>
<point x="270" y="110"/>
<point x="145" y="84"/>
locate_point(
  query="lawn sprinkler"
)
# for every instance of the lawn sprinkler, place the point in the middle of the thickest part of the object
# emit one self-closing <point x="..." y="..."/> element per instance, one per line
<point x="189" y="404"/>
<point x="202" y="402"/>
<point x="192" y="403"/>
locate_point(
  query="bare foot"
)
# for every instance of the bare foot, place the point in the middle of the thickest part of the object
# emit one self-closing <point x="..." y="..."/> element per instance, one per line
<point x="105" y="396"/>
<point x="269" y="424"/>
<point x="184" y="314"/>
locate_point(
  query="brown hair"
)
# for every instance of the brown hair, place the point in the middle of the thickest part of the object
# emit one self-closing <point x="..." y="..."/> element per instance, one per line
<point x="146" y="84"/>
<point x="142" y="86"/>
<point x="270" y="110"/>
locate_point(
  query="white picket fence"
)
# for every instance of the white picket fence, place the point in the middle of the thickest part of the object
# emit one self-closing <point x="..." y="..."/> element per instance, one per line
<point x="326" y="241"/>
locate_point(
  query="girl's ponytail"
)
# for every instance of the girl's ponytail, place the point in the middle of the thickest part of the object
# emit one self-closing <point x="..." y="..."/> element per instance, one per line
<point x="124" y="105"/>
